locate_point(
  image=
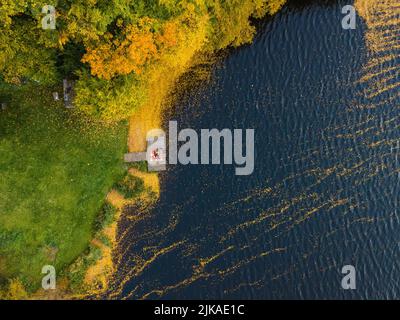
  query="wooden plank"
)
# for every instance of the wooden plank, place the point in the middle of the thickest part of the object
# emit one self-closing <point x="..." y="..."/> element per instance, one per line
<point x="135" y="157"/>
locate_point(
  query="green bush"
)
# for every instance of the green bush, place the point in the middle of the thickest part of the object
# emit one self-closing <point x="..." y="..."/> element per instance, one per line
<point x="130" y="186"/>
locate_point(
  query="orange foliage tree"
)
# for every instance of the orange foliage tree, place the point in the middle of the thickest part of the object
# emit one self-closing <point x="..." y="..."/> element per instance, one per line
<point x="138" y="45"/>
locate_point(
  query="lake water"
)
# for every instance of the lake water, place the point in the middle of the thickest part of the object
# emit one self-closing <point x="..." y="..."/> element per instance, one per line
<point x="325" y="189"/>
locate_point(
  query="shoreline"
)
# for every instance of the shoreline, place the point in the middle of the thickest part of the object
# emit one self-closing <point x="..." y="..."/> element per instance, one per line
<point x="162" y="84"/>
<point x="97" y="274"/>
<point x="160" y="81"/>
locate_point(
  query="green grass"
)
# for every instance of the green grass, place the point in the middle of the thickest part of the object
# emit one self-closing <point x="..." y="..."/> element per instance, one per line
<point x="141" y="166"/>
<point x="55" y="172"/>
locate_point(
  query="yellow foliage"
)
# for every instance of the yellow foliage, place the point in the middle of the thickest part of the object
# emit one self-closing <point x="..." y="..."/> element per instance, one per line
<point x="169" y="36"/>
<point x="116" y="199"/>
<point x="143" y="61"/>
<point x="275" y="5"/>
<point x="139" y="45"/>
<point x="16" y="291"/>
<point x="161" y="78"/>
<point x="150" y="179"/>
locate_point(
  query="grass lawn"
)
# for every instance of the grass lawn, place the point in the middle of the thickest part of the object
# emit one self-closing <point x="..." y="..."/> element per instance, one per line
<point x="54" y="174"/>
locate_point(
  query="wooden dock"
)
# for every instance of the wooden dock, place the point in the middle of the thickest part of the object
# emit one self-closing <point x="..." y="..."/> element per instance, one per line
<point x="135" y="157"/>
<point x="156" y="155"/>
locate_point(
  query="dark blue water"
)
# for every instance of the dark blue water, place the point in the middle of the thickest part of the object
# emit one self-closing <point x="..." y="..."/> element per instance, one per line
<point x="325" y="189"/>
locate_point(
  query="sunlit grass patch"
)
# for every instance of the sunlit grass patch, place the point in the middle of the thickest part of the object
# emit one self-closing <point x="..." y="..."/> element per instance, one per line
<point x="55" y="172"/>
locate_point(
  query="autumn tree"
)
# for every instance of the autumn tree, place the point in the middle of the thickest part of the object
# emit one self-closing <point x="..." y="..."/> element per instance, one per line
<point x="108" y="45"/>
<point x="137" y="46"/>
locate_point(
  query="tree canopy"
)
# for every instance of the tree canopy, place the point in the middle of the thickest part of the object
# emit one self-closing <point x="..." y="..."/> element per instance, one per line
<point x="109" y="46"/>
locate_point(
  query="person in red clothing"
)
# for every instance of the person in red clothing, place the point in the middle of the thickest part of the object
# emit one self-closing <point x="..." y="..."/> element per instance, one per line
<point x="155" y="154"/>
